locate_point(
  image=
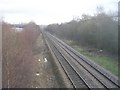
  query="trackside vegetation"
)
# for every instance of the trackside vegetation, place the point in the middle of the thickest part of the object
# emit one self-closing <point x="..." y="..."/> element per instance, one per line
<point x="99" y="31"/>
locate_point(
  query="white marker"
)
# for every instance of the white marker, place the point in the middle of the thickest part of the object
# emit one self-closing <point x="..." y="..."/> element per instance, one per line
<point x="39" y="60"/>
<point x="37" y="74"/>
<point x="45" y="60"/>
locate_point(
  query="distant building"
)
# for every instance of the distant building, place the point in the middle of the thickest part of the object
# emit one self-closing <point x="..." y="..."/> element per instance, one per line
<point x="18" y="27"/>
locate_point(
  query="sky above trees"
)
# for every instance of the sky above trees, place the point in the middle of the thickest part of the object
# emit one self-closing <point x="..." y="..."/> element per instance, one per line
<point x="50" y="11"/>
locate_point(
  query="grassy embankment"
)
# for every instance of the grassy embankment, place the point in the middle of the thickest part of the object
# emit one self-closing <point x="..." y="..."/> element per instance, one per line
<point x="106" y="61"/>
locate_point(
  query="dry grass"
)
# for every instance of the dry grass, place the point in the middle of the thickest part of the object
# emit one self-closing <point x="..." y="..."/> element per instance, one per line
<point x="17" y="54"/>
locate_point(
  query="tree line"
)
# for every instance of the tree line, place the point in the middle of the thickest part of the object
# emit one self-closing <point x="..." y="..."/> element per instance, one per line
<point x="99" y="31"/>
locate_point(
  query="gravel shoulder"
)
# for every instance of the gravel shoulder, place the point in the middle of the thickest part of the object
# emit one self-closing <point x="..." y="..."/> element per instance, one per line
<point x="43" y="75"/>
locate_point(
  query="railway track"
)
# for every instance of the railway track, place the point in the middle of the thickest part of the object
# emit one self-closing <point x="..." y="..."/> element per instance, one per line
<point x="81" y="72"/>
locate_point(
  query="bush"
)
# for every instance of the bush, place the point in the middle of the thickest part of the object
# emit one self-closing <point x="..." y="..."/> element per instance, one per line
<point x="17" y="54"/>
<point x="99" y="31"/>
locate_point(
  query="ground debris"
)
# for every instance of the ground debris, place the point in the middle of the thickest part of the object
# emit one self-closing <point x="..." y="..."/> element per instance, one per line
<point x="43" y="76"/>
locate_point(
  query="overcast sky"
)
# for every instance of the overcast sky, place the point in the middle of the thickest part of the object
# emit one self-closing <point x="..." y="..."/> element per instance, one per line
<point x="50" y="11"/>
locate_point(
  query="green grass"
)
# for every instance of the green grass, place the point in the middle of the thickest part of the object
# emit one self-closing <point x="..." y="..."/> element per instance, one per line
<point x="105" y="61"/>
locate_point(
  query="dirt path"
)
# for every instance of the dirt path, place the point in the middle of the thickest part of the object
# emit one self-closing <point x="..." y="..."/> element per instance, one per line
<point x="43" y="76"/>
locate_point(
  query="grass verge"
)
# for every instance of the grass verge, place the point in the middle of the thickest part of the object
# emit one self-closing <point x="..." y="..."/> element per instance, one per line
<point x="106" y="61"/>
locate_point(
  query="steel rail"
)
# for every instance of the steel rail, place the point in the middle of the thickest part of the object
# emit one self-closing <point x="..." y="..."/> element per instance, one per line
<point x="76" y="82"/>
<point x="85" y="61"/>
